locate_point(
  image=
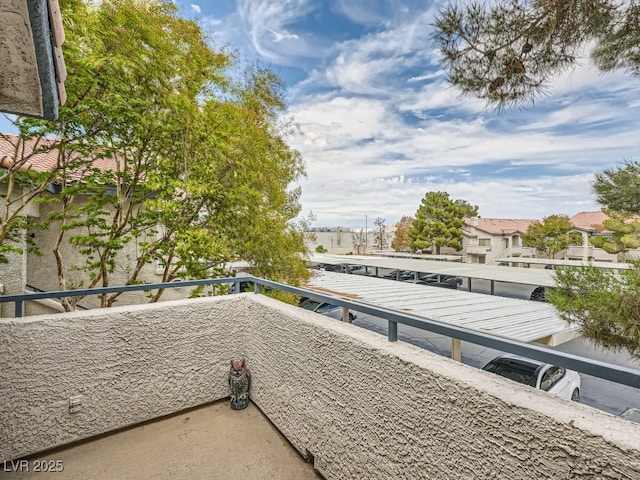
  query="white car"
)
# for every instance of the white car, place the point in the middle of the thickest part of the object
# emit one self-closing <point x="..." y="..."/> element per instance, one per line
<point x="544" y="376"/>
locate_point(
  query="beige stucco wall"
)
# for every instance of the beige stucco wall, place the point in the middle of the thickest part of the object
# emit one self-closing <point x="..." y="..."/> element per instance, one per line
<point x="13" y="275"/>
<point x="127" y="364"/>
<point x="363" y="407"/>
<point x="41" y="269"/>
<point x="20" y="89"/>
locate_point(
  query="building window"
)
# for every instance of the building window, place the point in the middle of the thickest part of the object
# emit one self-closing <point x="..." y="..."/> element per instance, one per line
<point x="484" y="242"/>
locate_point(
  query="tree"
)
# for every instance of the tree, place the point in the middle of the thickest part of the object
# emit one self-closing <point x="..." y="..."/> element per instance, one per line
<point x="22" y="185"/>
<point x="619" y="188"/>
<point x="200" y="170"/>
<point x="551" y="236"/>
<point x="625" y="234"/>
<point x="358" y="239"/>
<point x="438" y="222"/>
<point x="605" y="304"/>
<point x="379" y="238"/>
<point x="401" y="240"/>
<point x="507" y="52"/>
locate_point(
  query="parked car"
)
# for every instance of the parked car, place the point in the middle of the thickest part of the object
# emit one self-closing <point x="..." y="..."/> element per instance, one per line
<point x="553" y="379"/>
<point x="356" y="269"/>
<point x="446" y="281"/>
<point x="407" y="275"/>
<point x="327" y="267"/>
<point x="326" y="309"/>
<point x="393" y="275"/>
<point x="539" y="294"/>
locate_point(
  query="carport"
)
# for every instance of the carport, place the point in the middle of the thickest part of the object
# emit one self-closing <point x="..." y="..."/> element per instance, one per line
<point x="469" y="271"/>
<point x="516" y="319"/>
<point x="566" y="263"/>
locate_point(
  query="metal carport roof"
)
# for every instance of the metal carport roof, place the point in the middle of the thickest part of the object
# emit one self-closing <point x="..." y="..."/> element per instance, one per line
<point x="522" y="320"/>
<point x="519" y="275"/>
<point x="566" y="263"/>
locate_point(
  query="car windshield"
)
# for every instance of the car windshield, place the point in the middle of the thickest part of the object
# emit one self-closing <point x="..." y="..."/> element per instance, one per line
<point x="326" y="307"/>
<point x="514" y="369"/>
<point x="309" y="304"/>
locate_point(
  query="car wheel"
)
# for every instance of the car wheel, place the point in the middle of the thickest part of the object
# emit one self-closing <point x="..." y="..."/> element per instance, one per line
<point x="575" y="396"/>
<point x="351" y="317"/>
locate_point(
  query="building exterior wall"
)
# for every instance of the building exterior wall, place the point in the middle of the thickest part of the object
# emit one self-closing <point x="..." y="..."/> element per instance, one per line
<point x="339" y="240"/>
<point x="361" y="406"/>
<point x="480" y="246"/>
<point x="41" y="270"/>
<point x="13" y="275"/>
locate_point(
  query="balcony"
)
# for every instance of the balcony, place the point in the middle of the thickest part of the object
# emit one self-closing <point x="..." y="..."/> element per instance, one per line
<point x="352" y="403"/>
<point x="477" y="249"/>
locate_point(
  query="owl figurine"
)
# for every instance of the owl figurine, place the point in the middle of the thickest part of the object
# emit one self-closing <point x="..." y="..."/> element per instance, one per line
<point x="239" y="379"/>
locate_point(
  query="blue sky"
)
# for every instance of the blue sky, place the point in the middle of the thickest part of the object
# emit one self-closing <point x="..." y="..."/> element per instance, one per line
<point x="381" y="127"/>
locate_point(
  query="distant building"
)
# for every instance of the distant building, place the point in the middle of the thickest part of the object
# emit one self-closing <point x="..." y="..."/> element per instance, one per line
<point x="27" y="271"/>
<point x="488" y="239"/>
<point x="485" y="240"/>
<point x="340" y="240"/>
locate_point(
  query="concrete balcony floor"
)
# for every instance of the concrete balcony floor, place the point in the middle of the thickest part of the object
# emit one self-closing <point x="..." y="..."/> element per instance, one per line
<point x="210" y="442"/>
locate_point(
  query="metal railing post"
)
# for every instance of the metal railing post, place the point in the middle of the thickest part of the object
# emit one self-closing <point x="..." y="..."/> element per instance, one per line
<point x="18" y="308"/>
<point x="393" y="331"/>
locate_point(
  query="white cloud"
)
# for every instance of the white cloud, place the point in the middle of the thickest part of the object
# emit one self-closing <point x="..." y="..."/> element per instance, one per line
<point x="267" y="24"/>
<point x="382" y="127"/>
<point x="196" y="8"/>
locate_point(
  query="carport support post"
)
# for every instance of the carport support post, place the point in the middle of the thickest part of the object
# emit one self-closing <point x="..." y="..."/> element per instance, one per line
<point x="493" y="287"/>
<point x="469" y="284"/>
<point x="456" y="349"/>
<point x="345" y="314"/>
<point x="393" y="331"/>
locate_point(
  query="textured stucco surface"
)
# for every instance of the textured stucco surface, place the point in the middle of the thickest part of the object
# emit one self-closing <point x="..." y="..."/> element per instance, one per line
<point x="20" y="89"/>
<point x="127" y="365"/>
<point x="363" y="407"/>
<point x="13" y="274"/>
<point x="367" y="408"/>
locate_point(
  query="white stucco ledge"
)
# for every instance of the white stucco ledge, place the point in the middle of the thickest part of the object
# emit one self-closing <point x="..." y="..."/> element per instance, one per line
<point x="355" y="404"/>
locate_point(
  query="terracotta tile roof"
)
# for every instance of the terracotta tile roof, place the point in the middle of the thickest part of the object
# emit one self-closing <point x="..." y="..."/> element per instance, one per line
<point x="47" y="159"/>
<point x="499" y="226"/>
<point x="589" y="220"/>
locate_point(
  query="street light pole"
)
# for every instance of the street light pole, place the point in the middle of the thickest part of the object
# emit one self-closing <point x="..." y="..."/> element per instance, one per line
<point x="366" y="234"/>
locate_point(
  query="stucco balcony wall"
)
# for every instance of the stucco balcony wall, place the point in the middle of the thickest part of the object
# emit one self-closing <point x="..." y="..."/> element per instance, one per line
<point x="361" y="406"/>
<point x="123" y="366"/>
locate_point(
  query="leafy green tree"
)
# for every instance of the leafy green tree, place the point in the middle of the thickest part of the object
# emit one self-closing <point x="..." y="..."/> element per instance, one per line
<point x="606" y="304"/>
<point x="619" y="189"/>
<point x="198" y="169"/>
<point x="137" y="70"/>
<point x="438" y="222"/>
<point x="625" y="235"/>
<point x="551" y="236"/>
<point x="507" y="52"/>
<point x="401" y="240"/>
